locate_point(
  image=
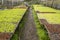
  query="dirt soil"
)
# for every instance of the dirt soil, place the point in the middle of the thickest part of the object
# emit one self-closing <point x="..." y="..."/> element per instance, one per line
<point x="5" y="36"/>
<point x="29" y="30"/>
<point x="53" y="29"/>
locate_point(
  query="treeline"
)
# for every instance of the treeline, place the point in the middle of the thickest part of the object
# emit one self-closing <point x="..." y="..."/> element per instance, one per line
<point x="9" y="3"/>
<point x="51" y="3"/>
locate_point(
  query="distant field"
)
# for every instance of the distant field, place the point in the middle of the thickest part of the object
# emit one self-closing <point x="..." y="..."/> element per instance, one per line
<point x="42" y="8"/>
<point x="9" y="19"/>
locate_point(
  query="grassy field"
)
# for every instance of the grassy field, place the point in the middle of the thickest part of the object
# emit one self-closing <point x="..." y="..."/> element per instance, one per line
<point x="9" y="19"/>
<point x="42" y="8"/>
<point x="52" y="18"/>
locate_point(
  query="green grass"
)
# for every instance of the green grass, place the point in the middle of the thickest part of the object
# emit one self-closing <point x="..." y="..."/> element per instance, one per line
<point x="15" y="35"/>
<point x="42" y="8"/>
<point x="41" y="32"/>
<point x="9" y="19"/>
<point x="51" y="18"/>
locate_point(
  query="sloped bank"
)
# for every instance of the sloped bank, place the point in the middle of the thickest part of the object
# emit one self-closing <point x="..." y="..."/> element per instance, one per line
<point x="16" y="35"/>
<point x="41" y="31"/>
